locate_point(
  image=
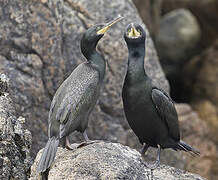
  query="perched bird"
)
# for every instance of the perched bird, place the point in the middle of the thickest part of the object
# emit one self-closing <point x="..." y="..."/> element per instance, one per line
<point x="76" y="97"/>
<point x="149" y="110"/>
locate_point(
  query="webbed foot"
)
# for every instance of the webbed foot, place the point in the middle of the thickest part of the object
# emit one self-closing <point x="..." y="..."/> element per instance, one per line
<point x="156" y="163"/>
<point x="79" y="145"/>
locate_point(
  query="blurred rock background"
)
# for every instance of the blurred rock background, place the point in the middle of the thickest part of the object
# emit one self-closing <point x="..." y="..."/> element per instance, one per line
<point x="185" y="33"/>
<point x="39" y="47"/>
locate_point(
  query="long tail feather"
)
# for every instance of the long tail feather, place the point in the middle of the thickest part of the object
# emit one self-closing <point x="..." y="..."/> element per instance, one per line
<point x="48" y="154"/>
<point x="185" y="147"/>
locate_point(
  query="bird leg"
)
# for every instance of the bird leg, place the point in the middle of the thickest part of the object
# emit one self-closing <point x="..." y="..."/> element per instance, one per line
<point x="144" y="149"/>
<point x="71" y="146"/>
<point x="76" y="145"/>
<point x="87" y="140"/>
<point x="85" y="136"/>
<point x="157" y="162"/>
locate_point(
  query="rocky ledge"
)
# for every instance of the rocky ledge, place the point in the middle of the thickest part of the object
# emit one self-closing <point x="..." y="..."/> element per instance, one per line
<point x="104" y="160"/>
<point x="15" y="140"/>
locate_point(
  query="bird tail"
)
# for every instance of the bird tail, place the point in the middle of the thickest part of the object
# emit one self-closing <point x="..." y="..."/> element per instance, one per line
<point x="185" y="147"/>
<point x="48" y="154"/>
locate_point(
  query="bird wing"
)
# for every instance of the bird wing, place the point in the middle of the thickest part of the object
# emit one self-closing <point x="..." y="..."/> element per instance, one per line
<point x="79" y="99"/>
<point x="79" y="103"/>
<point x="74" y="98"/>
<point x="167" y="111"/>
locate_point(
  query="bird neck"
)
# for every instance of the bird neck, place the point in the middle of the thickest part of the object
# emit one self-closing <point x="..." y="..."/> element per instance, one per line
<point x="135" y="71"/>
<point x="98" y="62"/>
<point x="87" y="48"/>
<point x="94" y="58"/>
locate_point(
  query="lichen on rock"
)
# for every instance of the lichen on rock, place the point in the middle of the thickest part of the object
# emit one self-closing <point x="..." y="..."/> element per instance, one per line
<point x="15" y="140"/>
<point x="105" y="160"/>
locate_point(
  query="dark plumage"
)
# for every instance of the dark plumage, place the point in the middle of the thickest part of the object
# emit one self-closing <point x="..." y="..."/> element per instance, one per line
<point x="76" y="97"/>
<point x="149" y="110"/>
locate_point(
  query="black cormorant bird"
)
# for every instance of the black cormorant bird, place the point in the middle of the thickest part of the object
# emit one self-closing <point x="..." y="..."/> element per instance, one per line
<point x="149" y="110"/>
<point x="76" y="97"/>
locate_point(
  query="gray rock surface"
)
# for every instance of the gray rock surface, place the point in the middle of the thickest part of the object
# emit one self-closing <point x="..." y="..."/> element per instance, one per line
<point x="206" y="13"/>
<point x="196" y="132"/>
<point x="107" y="161"/>
<point x="15" y="140"/>
<point x="178" y="36"/>
<point x="39" y="47"/>
<point x="200" y="75"/>
<point x="152" y="17"/>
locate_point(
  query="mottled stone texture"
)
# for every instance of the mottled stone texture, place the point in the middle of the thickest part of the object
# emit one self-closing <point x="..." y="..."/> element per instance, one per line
<point x="196" y="132"/>
<point x="15" y="140"/>
<point x="200" y="75"/>
<point x="39" y="47"/>
<point x="107" y="161"/>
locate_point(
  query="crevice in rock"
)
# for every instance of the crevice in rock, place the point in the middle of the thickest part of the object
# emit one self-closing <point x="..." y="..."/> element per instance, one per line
<point x="24" y="72"/>
<point x="19" y="143"/>
<point x="82" y="19"/>
<point x="62" y="39"/>
<point x="27" y="50"/>
<point x="106" y="110"/>
<point x="81" y="12"/>
<point x="7" y="57"/>
<point x="44" y="81"/>
<point x="180" y="91"/>
<point x="44" y="66"/>
<point x="78" y="8"/>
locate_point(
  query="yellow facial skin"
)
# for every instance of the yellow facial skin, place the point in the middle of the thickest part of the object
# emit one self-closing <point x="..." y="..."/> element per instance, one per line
<point x="133" y="33"/>
<point x="108" y="25"/>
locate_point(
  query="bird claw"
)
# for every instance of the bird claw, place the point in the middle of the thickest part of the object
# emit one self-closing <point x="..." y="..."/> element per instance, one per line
<point x="156" y="163"/>
<point x="85" y="143"/>
<point x="76" y="145"/>
<point x="72" y="146"/>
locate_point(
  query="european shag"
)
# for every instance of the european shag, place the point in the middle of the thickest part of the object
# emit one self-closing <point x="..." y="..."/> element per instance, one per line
<point x="149" y="110"/>
<point x="76" y="97"/>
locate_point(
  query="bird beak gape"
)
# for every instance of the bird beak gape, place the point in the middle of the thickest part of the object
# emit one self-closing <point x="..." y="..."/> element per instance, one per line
<point x="108" y="25"/>
<point x="133" y="33"/>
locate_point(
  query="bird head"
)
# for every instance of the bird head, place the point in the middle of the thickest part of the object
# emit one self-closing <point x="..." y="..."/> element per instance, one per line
<point x="94" y="34"/>
<point x="134" y="34"/>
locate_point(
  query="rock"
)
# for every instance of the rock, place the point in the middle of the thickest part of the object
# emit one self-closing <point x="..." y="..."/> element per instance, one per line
<point x="206" y="13"/>
<point x="177" y="38"/>
<point x="208" y="111"/>
<point x="152" y="17"/>
<point x="196" y="132"/>
<point x="39" y="48"/>
<point x="176" y="42"/>
<point x="145" y="15"/>
<point x="201" y="77"/>
<point x="4" y="82"/>
<point x="206" y="83"/>
<point x="107" y="161"/>
<point x="15" y="140"/>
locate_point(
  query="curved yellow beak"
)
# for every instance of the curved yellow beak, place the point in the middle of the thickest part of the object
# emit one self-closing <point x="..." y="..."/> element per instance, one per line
<point x="108" y="25"/>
